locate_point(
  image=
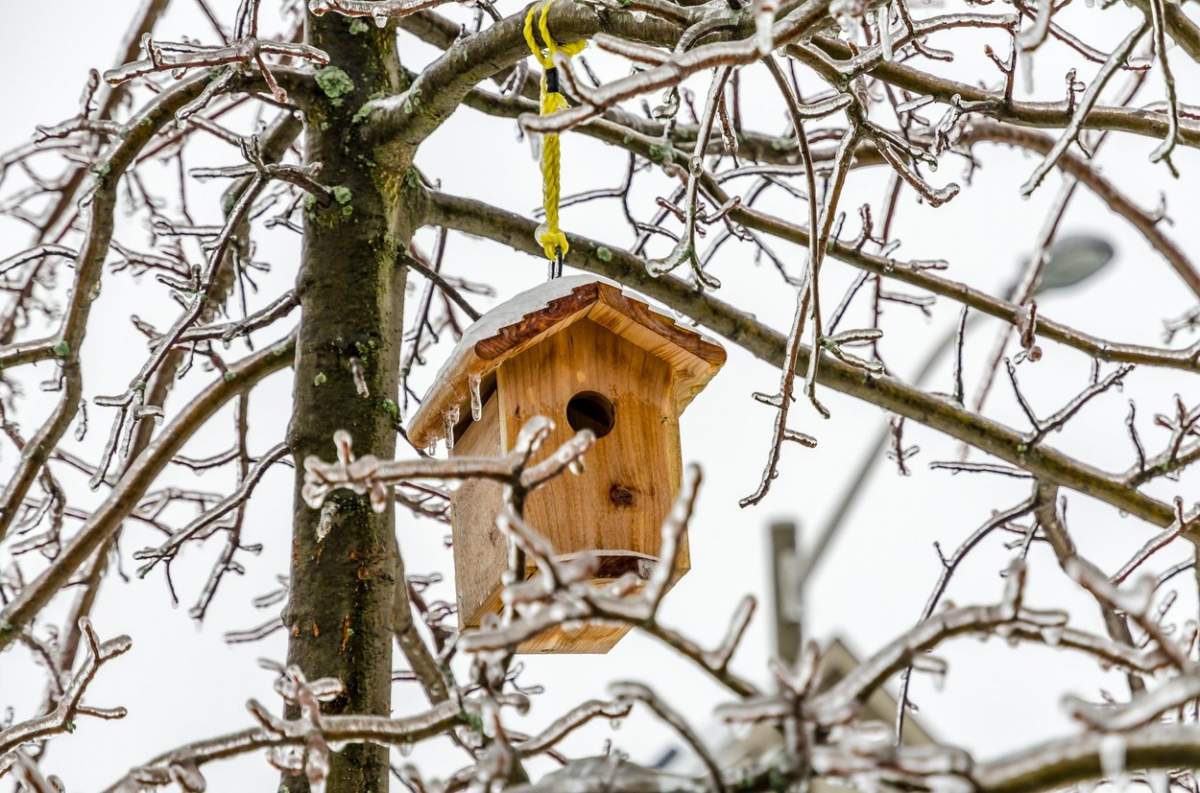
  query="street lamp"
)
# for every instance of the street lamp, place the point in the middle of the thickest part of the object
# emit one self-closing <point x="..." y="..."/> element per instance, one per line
<point x="1073" y="260"/>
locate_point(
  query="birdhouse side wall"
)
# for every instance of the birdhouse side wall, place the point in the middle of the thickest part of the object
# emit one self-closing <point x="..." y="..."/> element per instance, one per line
<point x="632" y="475"/>
<point x="480" y="550"/>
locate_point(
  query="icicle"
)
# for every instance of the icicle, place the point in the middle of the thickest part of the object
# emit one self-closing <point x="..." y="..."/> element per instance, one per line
<point x="1052" y="635"/>
<point x="380" y="15"/>
<point x="474" y="382"/>
<point x="360" y="377"/>
<point x="325" y="523"/>
<point x="188" y="777"/>
<point x="933" y="666"/>
<point x="431" y="446"/>
<point x="1159" y="781"/>
<point x="883" y="20"/>
<point x="1014" y="586"/>
<point x="764" y="19"/>
<point x="1025" y="66"/>
<point x="773" y="400"/>
<point x="740" y="729"/>
<point x="949" y="784"/>
<point x="1112" y="760"/>
<point x="1008" y="633"/>
<point x="450" y="420"/>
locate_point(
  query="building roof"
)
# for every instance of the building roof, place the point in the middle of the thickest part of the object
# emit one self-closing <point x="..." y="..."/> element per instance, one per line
<point x="533" y="316"/>
<point x="763" y="743"/>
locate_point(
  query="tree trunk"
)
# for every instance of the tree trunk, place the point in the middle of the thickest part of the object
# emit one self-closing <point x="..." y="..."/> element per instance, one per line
<point x="345" y="562"/>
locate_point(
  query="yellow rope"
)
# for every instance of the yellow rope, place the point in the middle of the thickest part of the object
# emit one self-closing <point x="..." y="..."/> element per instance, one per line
<point x="549" y="235"/>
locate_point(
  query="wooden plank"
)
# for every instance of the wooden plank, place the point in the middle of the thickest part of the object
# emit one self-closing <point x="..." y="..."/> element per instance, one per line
<point x="631" y="475"/>
<point x="480" y="550"/>
<point x="589" y="639"/>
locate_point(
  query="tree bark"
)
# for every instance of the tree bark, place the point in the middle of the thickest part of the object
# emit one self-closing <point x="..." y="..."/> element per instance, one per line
<point x="345" y="562"/>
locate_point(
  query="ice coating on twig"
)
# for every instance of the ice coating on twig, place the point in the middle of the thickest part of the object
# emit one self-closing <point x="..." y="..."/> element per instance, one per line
<point x="367" y="475"/>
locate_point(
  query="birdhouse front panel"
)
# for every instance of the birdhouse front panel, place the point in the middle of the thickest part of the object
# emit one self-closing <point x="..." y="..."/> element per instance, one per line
<point x="581" y="352"/>
<point x="586" y="377"/>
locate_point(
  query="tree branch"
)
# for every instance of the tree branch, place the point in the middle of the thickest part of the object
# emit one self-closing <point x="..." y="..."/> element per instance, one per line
<point x="481" y="219"/>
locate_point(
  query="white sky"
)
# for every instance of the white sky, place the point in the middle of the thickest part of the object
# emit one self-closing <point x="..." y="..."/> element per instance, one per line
<point x="181" y="682"/>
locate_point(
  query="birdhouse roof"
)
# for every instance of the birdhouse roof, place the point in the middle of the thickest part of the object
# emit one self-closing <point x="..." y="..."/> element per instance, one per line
<point x="533" y="316"/>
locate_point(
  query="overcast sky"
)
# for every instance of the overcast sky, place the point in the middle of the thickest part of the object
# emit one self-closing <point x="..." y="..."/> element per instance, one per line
<point x="182" y="682"/>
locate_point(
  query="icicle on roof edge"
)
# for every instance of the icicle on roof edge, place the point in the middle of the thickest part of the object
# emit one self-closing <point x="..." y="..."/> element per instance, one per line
<point x="506" y="330"/>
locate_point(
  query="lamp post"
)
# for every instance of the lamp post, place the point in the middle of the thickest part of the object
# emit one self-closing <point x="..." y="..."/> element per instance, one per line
<point x="1073" y="260"/>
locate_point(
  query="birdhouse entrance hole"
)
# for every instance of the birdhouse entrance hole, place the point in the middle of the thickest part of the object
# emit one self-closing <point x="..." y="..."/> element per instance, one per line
<point x="588" y="410"/>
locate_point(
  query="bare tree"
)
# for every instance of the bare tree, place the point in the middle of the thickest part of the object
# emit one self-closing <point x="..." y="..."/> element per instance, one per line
<point x="336" y="120"/>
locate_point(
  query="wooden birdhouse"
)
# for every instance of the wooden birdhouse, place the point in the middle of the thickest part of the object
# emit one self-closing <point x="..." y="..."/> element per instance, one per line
<point x="584" y="353"/>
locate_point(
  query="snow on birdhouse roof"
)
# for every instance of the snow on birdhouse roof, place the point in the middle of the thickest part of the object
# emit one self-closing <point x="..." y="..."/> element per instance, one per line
<point x="534" y="315"/>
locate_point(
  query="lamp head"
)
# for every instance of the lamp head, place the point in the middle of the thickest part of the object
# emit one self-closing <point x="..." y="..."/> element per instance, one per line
<point x="1073" y="260"/>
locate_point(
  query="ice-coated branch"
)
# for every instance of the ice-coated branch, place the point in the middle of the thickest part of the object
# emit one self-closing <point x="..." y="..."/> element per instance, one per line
<point x="135" y="481"/>
<point x="1043" y="427"/>
<point x="567" y="723"/>
<point x="1089" y="99"/>
<point x="685" y="248"/>
<point x="89" y="266"/>
<point x="70" y="703"/>
<point x="675" y="69"/>
<point x="284" y="738"/>
<point x="1050" y="521"/>
<point x="1145" y="222"/>
<point x="1136" y="602"/>
<point x="1076" y="759"/>
<point x="1184" y="524"/>
<point x="368" y="475"/>
<point x="783" y="399"/>
<point x="1144" y="709"/>
<point x="626" y="691"/>
<point x="233" y="501"/>
<point x="1177" y="455"/>
<point x="247" y="49"/>
<point x="1007" y="618"/>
